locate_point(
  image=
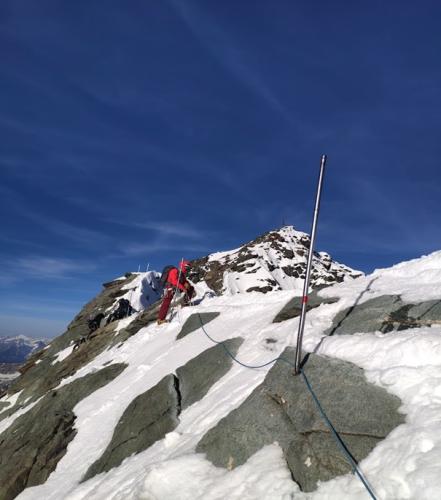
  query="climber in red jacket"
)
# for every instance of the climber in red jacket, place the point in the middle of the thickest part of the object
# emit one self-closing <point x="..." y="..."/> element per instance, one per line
<point x="176" y="280"/>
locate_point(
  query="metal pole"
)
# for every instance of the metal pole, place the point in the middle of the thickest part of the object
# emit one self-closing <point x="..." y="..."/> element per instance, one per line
<point x="308" y="268"/>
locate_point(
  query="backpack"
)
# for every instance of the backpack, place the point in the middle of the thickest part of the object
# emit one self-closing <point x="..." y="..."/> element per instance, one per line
<point x="94" y="323"/>
<point x="164" y="275"/>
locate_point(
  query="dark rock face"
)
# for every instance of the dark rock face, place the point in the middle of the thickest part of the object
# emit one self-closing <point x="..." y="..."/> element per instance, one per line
<point x="281" y="409"/>
<point x="142" y="320"/>
<point x="33" y="445"/>
<point x="385" y="314"/>
<point x="275" y="256"/>
<point x="202" y="372"/>
<point x="153" y="414"/>
<point x="37" y="379"/>
<point x="195" y="321"/>
<point x="315" y="456"/>
<point x="148" y="418"/>
<point x="294" y="307"/>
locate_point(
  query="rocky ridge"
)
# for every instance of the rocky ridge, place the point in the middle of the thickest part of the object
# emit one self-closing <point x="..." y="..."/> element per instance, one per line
<point x="274" y="261"/>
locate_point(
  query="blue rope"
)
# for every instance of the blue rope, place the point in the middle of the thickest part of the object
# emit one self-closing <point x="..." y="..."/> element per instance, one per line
<point x="337" y="437"/>
<point x="334" y="432"/>
<point x="222" y="343"/>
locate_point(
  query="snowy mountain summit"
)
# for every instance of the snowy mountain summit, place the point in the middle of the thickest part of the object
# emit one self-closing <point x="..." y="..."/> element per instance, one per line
<point x="16" y="349"/>
<point x="273" y="261"/>
<point x="206" y="406"/>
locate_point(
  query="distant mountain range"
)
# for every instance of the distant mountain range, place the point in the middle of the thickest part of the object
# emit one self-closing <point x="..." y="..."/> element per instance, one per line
<point x="17" y="349"/>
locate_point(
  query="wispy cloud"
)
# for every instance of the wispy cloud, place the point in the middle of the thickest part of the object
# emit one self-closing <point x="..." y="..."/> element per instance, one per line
<point x="48" y="267"/>
<point x="19" y="241"/>
<point x="219" y="43"/>
<point x="373" y="218"/>
<point x="33" y="326"/>
<point x="164" y="236"/>
<point x="166" y="229"/>
<point x="72" y="232"/>
<point x="159" y="246"/>
<point x="42" y="309"/>
<point x="42" y="268"/>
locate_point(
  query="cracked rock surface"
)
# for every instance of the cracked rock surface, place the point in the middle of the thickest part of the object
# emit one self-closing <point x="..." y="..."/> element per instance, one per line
<point x="281" y="409"/>
<point x="385" y="314"/>
<point x="33" y="445"/>
<point x="153" y="414"/>
<point x="202" y="372"/>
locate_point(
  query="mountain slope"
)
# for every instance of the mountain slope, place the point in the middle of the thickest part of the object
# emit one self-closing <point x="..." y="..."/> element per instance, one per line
<point x="273" y="261"/>
<point x="143" y="408"/>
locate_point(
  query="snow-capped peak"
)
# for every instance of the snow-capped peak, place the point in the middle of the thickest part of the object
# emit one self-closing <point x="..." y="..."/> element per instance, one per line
<point x="274" y="261"/>
<point x="15" y="349"/>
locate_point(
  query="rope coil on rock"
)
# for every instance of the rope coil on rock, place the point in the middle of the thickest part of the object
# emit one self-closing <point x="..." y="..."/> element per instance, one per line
<point x="334" y="432"/>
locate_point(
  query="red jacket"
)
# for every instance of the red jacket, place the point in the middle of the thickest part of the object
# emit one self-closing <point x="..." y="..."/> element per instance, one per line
<point x="173" y="276"/>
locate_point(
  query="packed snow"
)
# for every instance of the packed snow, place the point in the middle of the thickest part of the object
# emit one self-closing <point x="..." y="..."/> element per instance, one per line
<point x="143" y="290"/>
<point x="406" y="363"/>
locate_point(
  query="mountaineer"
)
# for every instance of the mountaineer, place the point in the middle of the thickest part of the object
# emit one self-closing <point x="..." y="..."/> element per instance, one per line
<point x="174" y="279"/>
<point x="122" y="310"/>
<point x="95" y="322"/>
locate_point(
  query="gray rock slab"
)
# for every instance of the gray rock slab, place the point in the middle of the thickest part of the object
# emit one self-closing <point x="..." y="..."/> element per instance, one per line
<point x="202" y="372"/>
<point x="36" y="441"/>
<point x="281" y="409"/>
<point x="385" y="314"/>
<point x="370" y="316"/>
<point x="316" y="455"/>
<point x="426" y="313"/>
<point x="148" y="418"/>
<point x="153" y="414"/>
<point x="294" y="307"/>
<point x="195" y="321"/>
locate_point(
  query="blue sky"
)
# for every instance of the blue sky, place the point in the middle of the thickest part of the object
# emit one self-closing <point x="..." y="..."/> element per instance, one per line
<point x="142" y="132"/>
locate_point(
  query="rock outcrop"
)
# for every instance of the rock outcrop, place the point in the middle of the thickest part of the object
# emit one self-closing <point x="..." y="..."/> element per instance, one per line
<point x="293" y="308"/>
<point x="274" y="261"/>
<point x="281" y="409"/>
<point x="37" y="440"/>
<point x="153" y="414"/>
<point x="196" y="321"/>
<point x="385" y="314"/>
<point x="42" y="372"/>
